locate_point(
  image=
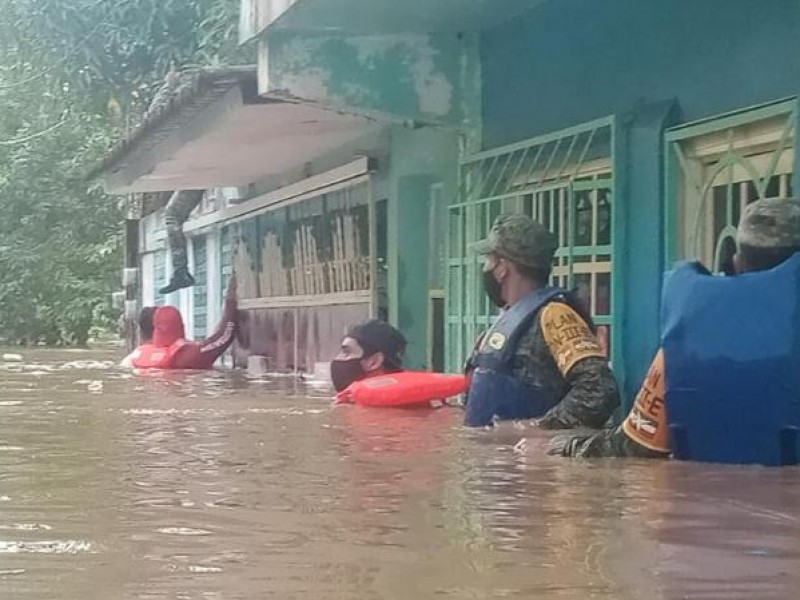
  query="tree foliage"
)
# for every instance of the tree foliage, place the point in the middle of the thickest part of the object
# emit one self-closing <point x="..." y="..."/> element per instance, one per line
<point x="73" y="75"/>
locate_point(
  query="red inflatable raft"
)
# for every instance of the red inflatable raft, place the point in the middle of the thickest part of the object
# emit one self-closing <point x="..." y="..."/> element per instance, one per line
<point x="409" y="388"/>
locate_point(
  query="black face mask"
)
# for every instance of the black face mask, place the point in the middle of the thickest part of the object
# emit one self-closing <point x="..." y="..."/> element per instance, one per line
<point x="346" y="372"/>
<point x="493" y="288"/>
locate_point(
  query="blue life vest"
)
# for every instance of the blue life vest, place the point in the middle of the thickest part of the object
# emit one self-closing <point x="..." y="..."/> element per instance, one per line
<point x="494" y="391"/>
<point x="732" y="359"/>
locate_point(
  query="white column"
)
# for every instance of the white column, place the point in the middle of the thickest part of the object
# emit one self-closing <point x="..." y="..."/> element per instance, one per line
<point x="214" y="310"/>
<point x="148" y="292"/>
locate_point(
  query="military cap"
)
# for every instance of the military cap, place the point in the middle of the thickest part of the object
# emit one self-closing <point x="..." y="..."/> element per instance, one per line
<point x="770" y="223"/>
<point x="521" y="240"/>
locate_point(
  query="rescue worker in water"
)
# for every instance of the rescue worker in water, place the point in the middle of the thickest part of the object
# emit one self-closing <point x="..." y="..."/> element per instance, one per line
<point x="369" y="349"/>
<point x="145" y="333"/>
<point x="169" y="348"/>
<point x="541" y="360"/>
<point x="725" y="384"/>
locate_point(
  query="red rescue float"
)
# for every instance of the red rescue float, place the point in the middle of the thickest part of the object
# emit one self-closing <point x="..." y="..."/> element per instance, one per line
<point x="405" y="389"/>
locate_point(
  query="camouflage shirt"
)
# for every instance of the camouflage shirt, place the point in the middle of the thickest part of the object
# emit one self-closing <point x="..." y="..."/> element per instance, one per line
<point x="560" y="350"/>
<point x="769" y="223"/>
<point x="644" y="433"/>
<point x="606" y="443"/>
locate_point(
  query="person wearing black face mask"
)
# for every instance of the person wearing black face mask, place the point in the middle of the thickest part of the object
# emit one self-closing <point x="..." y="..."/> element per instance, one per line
<point x="541" y="360"/>
<point x="369" y="349"/>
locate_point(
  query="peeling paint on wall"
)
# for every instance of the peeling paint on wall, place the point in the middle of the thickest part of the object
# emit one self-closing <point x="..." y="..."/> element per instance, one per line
<point x="435" y="91"/>
<point x="410" y="76"/>
<point x="433" y="87"/>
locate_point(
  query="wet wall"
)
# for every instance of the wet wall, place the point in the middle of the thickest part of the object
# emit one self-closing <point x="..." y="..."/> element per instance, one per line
<point x="653" y="65"/>
<point x="570" y="61"/>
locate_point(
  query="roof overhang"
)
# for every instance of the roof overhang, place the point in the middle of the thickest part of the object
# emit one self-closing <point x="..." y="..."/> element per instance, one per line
<point x="373" y="17"/>
<point x="223" y="135"/>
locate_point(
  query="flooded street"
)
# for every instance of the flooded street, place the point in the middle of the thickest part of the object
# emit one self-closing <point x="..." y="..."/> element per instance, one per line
<point x="215" y="487"/>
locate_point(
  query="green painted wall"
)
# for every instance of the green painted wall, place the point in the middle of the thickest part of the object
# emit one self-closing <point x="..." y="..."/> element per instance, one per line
<point x="429" y="78"/>
<point x="638" y="239"/>
<point x="419" y="159"/>
<point x="571" y="61"/>
<point x="427" y="88"/>
<point x="368" y="17"/>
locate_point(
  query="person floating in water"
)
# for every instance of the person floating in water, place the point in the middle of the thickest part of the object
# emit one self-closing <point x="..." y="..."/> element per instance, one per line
<point x="368" y="371"/>
<point x="725" y="384"/>
<point x="169" y="348"/>
<point x="370" y="349"/>
<point x="178" y="209"/>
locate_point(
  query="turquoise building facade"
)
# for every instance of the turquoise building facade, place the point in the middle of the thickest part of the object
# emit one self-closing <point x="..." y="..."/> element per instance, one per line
<point x="637" y="130"/>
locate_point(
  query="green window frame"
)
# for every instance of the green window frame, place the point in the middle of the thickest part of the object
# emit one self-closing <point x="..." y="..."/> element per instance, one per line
<point x="714" y="168"/>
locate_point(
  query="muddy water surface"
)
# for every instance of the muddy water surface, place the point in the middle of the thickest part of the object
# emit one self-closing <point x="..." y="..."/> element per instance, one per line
<point x="212" y="486"/>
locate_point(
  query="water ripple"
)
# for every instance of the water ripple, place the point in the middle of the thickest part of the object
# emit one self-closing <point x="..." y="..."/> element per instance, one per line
<point x="47" y="547"/>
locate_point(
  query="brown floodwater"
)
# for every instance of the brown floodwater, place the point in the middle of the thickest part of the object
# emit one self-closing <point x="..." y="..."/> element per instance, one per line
<point x="213" y="486"/>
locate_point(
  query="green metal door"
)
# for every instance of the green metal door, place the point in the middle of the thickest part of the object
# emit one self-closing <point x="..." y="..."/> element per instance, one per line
<point x="565" y="181"/>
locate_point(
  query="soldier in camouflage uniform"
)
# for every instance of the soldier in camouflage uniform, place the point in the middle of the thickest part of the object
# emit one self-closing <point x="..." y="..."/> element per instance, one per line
<point x="178" y="209"/>
<point x="556" y="349"/>
<point x="768" y="235"/>
<point x="182" y="202"/>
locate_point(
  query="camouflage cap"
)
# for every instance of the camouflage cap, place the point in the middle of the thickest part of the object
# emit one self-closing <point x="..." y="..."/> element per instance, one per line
<point x="770" y="223"/>
<point x="520" y="239"/>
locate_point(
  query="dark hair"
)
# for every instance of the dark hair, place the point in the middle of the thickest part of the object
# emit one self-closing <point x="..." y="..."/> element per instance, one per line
<point x="762" y="259"/>
<point x="378" y="336"/>
<point x="146" y="322"/>
<point x="727" y="252"/>
<point x="538" y="275"/>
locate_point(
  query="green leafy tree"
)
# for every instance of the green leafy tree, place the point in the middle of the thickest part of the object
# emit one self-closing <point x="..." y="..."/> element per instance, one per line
<point x="74" y="74"/>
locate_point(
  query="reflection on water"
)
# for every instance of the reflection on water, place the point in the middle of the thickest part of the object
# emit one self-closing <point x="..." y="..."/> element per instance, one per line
<point x="211" y="486"/>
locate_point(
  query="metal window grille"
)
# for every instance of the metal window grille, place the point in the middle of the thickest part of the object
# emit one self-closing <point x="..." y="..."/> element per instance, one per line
<point x="565" y="181"/>
<point x="715" y="168"/>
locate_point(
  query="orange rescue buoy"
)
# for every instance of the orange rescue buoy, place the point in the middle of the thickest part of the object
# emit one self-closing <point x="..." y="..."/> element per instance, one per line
<point x="408" y="388"/>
